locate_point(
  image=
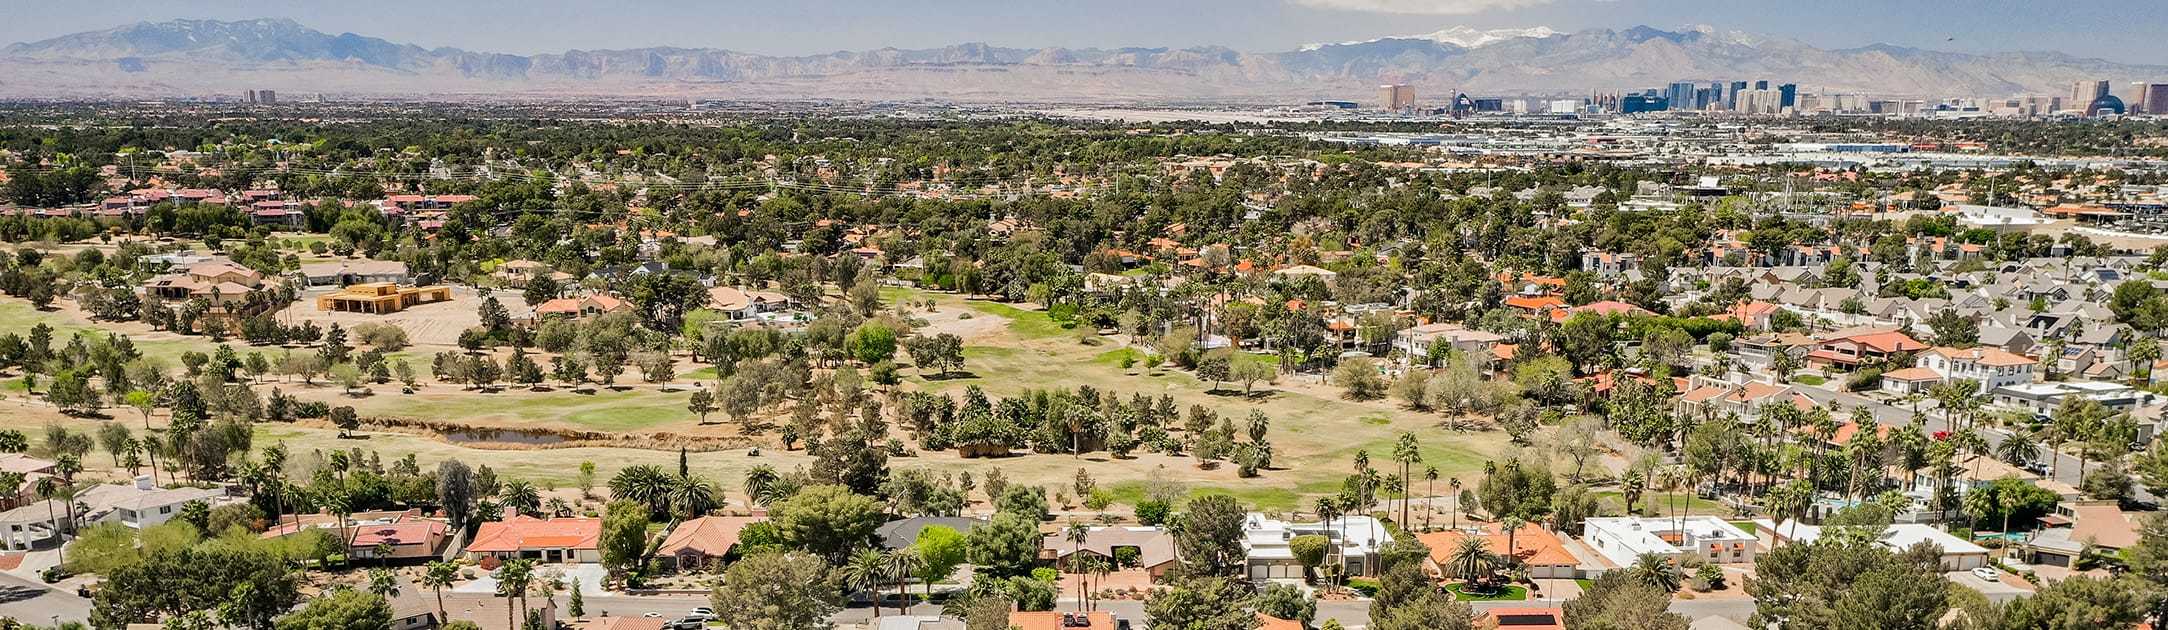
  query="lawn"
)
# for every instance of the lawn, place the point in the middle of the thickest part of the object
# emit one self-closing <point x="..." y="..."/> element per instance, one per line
<point x="1026" y="324"/>
<point x="636" y="409"/>
<point x="1810" y="380"/>
<point x="18" y="317"/>
<point x="1508" y="593"/>
<point x="1663" y="503"/>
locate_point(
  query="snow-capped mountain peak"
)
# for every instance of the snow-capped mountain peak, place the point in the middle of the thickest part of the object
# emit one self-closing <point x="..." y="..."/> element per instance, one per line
<point x="1461" y="36"/>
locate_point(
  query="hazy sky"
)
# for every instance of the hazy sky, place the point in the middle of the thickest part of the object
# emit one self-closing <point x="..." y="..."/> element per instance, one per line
<point x="2119" y="30"/>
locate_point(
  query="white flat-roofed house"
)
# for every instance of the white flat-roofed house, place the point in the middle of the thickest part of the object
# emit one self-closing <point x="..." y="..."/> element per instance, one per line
<point x="1958" y="554"/>
<point x="1355" y="542"/>
<point x="1622" y="540"/>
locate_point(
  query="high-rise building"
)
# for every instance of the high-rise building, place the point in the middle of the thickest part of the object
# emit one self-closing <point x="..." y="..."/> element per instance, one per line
<point x="2153" y="99"/>
<point x="1761" y="85"/>
<point x="1787" y="95"/>
<point x="1681" y="95"/>
<point x="1642" y="103"/>
<point x="251" y="96"/>
<point x="1396" y="97"/>
<point x="267" y="97"/>
<point x="2085" y="92"/>
<point x="1731" y="98"/>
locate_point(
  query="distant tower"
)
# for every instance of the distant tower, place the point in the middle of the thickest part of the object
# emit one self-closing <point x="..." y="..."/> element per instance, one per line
<point x="1396" y="97"/>
<point x="251" y="96"/>
<point x="268" y="97"/>
<point x="2084" y="93"/>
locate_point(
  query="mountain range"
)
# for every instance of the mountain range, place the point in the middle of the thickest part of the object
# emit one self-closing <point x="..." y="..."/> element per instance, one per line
<point x="191" y="58"/>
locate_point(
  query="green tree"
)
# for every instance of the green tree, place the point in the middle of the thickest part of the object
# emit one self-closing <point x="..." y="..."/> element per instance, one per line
<point x="777" y="590"/>
<point x="1619" y="601"/>
<point x="1846" y="580"/>
<point x="342" y="609"/>
<point x="1209" y="536"/>
<point x="623" y="540"/>
<point x="829" y="521"/>
<point x="1005" y="547"/>
<point x="1202" y="603"/>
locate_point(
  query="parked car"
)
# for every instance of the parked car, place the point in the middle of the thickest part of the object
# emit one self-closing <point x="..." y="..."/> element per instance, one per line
<point x="692" y="622"/>
<point x="703" y="611"/>
<point x="1987" y="573"/>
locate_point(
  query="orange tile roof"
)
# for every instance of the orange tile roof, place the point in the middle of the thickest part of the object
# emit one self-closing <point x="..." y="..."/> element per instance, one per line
<point x="1912" y="374"/>
<point x="527" y="532"/>
<point x="1531" y="543"/>
<point x="1534" y="303"/>
<point x="1269" y="622"/>
<point x="712" y="535"/>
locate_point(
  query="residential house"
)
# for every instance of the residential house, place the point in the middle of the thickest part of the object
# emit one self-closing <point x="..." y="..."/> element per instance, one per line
<point x="1151" y="547"/>
<point x="1542" y="552"/>
<point x="1710" y="401"/>
<point x="1958" y="554"/>
<point x="1416" y="341"/>
<point x="222" y="284"/>
<point x="1354" y="543"/>
<point x="743" y="305"/>
<point x="1622" y="540"/>
<point x="902" y="533"/>
<point x="1991" y="367"/>
<point x="2074" y="524"/>
<point x="580" y="307"/>
<point x="2044" y="398"/>
<point x="1852" y="348"/>
<point x="1521" y="618"/>
<point x="702" y="541"/>
<point x="1759" y="351"/>
<point x="31" y="468"/>
<point x="140" y="504"/>
<point x="1609" y="265"/>
<point x="549" y="540"/>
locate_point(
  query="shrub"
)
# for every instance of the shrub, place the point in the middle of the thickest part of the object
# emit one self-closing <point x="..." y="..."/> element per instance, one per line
<point x="1369" y="588"/>
<point x="381" y="336"/>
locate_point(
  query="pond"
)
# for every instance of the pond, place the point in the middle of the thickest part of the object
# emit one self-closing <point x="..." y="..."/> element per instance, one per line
<point x="503" y="436"/>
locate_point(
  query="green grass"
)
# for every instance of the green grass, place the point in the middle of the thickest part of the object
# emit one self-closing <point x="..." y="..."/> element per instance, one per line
<point x="1585" y="584"/>
<point x="1663" y="503"/>
<point x="1026" y="324"/>
<point x="18" y="317"/>
<point x="1113" y="358"/>
<point x="1746" y="526"/>
<point x="603" y="411"/>
<point x="702" y="374"/>
<point x="1810" y="380"/>
<point x="1132" y="492"/>
<point x="1509" y="593"/>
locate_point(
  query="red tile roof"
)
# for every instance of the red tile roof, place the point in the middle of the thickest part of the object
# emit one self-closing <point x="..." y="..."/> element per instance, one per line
<point x="527" y="532"/>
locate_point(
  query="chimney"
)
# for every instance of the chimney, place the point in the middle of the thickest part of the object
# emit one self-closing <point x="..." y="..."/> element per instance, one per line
<point x="143" y="482"/>
<point x="511" y="512"/>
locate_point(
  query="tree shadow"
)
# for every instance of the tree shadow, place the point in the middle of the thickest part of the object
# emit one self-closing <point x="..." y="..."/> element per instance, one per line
<point x="956" y="375"/>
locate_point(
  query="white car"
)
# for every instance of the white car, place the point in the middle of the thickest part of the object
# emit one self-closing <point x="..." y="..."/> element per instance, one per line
<point x="1987" y="574"/>
<point x="704" y="611"/>
<point x="652" y="615"/>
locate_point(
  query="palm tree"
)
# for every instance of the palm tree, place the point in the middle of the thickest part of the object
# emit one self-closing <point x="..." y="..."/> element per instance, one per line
<point x="1099" y="568"/>
<point x="867" y="571"/>
<point x="1454" y="483"/>
<point x="383" y="583"/>
<point x="513" y="580"/>
<point x="1078" y="533"/>
<point x="1512" y="525"/>
<point x="151" y="446"/>
<point x="521" y="495"/>
<point x="760" y="484"/>
<point x="692" y="495"/>
<point x="1328" y="508"/>
<point x="1408" y="452"/>
<point x="902" y="564"/>
<point x="1656" y="570"/>
<point x="436" y="576"/>
<point x="1630" y="487"/>
<point x="48" y="488"/>
<point x="1430" y="477"/>
<point x="644" y="484"/>
<point x="2018" y="449"/>
<point x="1472" y="561"/>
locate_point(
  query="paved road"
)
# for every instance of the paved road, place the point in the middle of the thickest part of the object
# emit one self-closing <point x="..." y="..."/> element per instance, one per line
<point x="32" y="602"/>
<point x="1351" y="614"/>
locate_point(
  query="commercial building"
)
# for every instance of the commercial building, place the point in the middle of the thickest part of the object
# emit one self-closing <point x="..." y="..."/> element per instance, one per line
<point x="1396" y="97"/>
<point x="2152" y="99"/>
<point x="2085" y="92"/>
<point x="1622" y="540"/>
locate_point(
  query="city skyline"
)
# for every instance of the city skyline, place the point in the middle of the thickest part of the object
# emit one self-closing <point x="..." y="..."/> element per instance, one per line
<point x="1250" y="25"/>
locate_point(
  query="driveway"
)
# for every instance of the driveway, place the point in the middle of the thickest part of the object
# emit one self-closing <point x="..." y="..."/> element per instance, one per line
<point x="35" y="603"/>
<point x="1998" y="591"/>
<point x="590" y="576"/>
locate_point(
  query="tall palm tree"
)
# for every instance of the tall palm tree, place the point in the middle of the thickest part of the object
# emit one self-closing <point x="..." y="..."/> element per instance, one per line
<point x="383" y="583"/>
<point x="1430" y="477"/>
<point x="1630" y="487"/>
<point x="1328" y="509"/>
<point x="1099" y="568"/>
<point x="868" y="572"/>
<point x="513" y="580"/>
<point x="47" y="489"/>
<point x="1454" y="483"/>
<point x="1078" y="533"/>
<point x="1512" y="525"/>
<point x="151" y="446"/>
<point x="1408" y="452"/>
<point x="436" y="576"/>
<point x="902" y="564"/>
<point x="2018" y="449"/>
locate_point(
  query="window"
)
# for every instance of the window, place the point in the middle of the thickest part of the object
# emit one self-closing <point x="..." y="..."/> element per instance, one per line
<point x="165" y="509"/>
